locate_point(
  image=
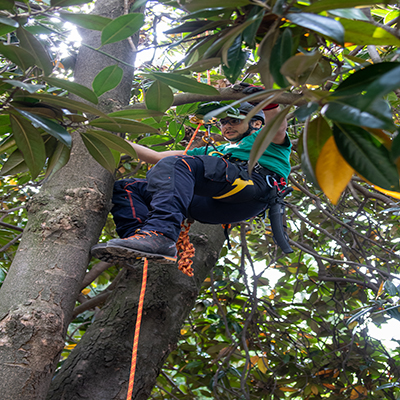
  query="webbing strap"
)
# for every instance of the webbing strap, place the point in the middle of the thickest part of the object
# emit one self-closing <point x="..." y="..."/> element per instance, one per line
<point x="137" y="332"/>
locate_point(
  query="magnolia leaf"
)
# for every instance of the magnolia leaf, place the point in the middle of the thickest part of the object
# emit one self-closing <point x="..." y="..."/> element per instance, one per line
<point x="395" y="195"/>
<point x="201" y="65"/>
<point x="262" y="364"/>
<point x="159" y="97"/>
<point x="250" y="33"/>
<point x="5" y="29"/>
<point x="299" y="67"/>
<point x="349" y="13"/>
<point x="122" y="125"/>
<point x="136" y="114"/>
<point x="206" y="13"/>
<point x="99" y="151"/>
<point x="154" y="139"/>
<point x="325" y="26"/>
<point x="121" y="28"/>
<point x="303" y="112"/>
<point x="364" y="33"/>
<point x="236" y="59"/>
<point x="58" y="159"/>
<point x="345" y="113"/>
<point x="107" y="79"/>
<point x="28" y="42"/>
<point x="189" y="26"/>
<point x="15" y="164"/>
<point x="280" y="53"/>
<point x="29" y="87"/>
<point x="67" y="3"/>
<point x="87" y="21"/>
<point x="265" y="137"/>
<point x="264" y="53"/>
<point x="332" y="171"/>
<point x="73" y="87"/>
<point x="183" y="83"/>
<point x="203" y="4"/>
<point x="17" y="55"/>
<point x="323" y="5"/>
<point x="69" y="104"/>
<point x="395" y="150"/>
<point x="366" y="155"/>
<point x="114" y="142"/>
<point x="30" y="143"/>
<point x="6" y="4"/>
<point x="51" y="127"/>
<point x="9" y="22"/>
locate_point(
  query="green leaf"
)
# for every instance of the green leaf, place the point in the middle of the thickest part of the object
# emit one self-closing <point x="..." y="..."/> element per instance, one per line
<point x="122" y="125"/>
<point x="29" y="87"/>
<point x="4" y="29"/>
<point x="50" y="127"/>
<point x="9" y="22"/>
<point x="203" y="4"/>
<point x="315" y="136"/>
<point x="99" y="151"/>
<point x="379" y="115"/>
<point x="395" y="150"/>
<point x="323" y="5"/>
<point x="69" y="104"/>
<point x="265" y="137"/>
<point x="121" y="28"/>
<point x="114" y="142"/>
<point x="107" y="79"/>
<point x="58" y="159"/>
<point x="184" y="84"/>
<point x="73" y="87"/>
<point x="154" y="139"/>
<point x="137" y="4"/>
<point x="359" y="81"/>
<point x="300" y="67"/>
<point x="17" y="55"/>
<point x="136" y="114"/>
<point x="303" y="112"/>
<point x="205" y="13"/>
<point x="30" y="143"/>
<point x="159" y="97"/>
<point x="249" y="34"/>
<point x="28" y="42"/>
<point x="6" y="4"/>
<point x="366" y="155"/>
<point x="280" y="53"/>
<point x="67" y="3"/>
<point x="236" y="60"/>
<point x="391" y="288"/>
<point x="201" y="65"/>
<point x="189" y="26"/>
<point x="87" y="21"/>
<point x="15" y="164"/>
<point x="349" y="13"/>
<point x="325" y="26"/>
<point x="364" y="33"/>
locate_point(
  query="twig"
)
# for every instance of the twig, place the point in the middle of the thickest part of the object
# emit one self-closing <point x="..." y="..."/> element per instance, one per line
<point x="16" y="228"/>
<point x="10" y="243"/>
<point x="96" y="271"/>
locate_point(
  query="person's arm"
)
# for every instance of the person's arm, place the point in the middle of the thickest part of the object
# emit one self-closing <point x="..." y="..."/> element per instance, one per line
<point x="150" y="156"/>
<point x="281" y="134"/>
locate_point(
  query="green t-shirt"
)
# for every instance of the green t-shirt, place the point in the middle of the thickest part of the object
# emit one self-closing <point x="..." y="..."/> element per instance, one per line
<point x="276" y="157"/>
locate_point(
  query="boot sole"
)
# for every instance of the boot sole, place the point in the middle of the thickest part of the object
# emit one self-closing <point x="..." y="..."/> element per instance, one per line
<point x="124" y="255"/>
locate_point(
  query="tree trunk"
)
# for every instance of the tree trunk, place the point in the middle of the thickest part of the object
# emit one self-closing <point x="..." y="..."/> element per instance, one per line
<point x="65" y="220"/>
<point x="98" y="368"/>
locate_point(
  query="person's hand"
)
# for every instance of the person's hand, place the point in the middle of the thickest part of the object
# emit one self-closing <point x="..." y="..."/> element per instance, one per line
<point x="250" y="89"/>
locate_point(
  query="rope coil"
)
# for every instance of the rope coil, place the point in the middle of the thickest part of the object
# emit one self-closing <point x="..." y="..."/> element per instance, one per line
<point x="185" y="251"/>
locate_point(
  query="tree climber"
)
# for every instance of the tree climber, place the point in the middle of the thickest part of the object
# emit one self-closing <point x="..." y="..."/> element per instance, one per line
<point x="208" y="185"/>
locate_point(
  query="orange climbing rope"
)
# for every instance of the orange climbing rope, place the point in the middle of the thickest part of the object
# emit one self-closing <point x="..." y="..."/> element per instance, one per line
<point x="137" y="332"/>
<point x="192" y="138"/>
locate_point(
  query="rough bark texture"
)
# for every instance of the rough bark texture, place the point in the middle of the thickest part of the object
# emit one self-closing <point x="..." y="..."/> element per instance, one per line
<point x="65" y="220"/>
<point x="98" y="368"/>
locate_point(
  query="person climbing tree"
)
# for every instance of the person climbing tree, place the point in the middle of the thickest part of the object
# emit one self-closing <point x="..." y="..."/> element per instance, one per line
<point x="209" y="184"/>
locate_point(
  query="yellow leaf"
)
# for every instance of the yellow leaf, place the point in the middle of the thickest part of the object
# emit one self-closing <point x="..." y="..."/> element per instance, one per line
<point x="205" y="328"/>
<point x="262" y="364"/>
<point x="12" y="182"/>
<point x="253" y="361"/>
<point x="183" y="331"/>
<point x="332" y="171"/>
<point x="272" y="295"/>
<point x="85" y="291"/>
<point x="314" y="389"/>
<point x="287" y="389"/>
<point x="70" y="346"/>
<point x="380" y="290"/>
<point x="329" y="386"/>
<point x="390" y="193"/>
<point x="353" y="324"/>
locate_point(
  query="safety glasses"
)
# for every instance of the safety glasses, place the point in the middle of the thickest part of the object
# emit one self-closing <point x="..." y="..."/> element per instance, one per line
<point x="230" y="121"/>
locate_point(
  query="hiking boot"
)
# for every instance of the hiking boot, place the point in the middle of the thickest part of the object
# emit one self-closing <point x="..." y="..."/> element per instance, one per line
<point x="152" y="245"/>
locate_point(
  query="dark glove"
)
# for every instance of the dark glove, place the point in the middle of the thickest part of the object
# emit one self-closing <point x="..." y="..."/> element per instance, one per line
<point x="250" y="89"/>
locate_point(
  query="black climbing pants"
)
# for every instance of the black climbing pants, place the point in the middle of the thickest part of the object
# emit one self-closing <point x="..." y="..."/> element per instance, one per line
<point x="207" y="189"/>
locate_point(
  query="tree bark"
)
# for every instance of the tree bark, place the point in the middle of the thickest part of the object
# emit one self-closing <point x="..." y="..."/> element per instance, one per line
<point x="64" y="221"/>
<point x="98" y="368"/>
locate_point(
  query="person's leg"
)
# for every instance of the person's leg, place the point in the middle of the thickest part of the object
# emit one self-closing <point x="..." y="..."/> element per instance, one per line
<point x="131" y="203"/>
